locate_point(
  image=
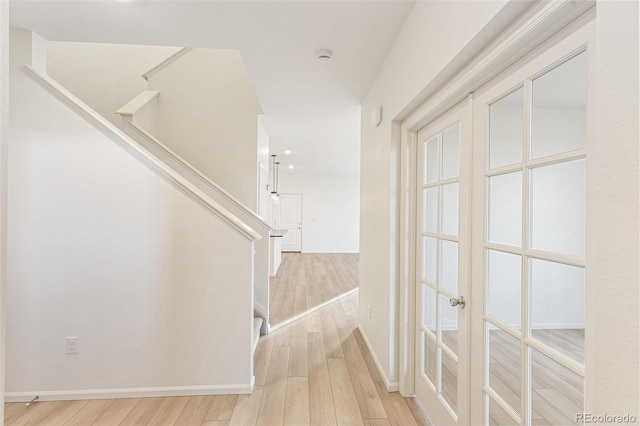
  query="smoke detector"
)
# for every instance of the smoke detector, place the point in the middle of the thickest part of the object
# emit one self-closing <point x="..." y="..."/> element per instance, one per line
<point x="323" y="55"/>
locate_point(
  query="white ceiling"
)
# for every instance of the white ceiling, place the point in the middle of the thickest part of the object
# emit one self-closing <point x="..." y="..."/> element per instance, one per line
<point x="311" y="108"/>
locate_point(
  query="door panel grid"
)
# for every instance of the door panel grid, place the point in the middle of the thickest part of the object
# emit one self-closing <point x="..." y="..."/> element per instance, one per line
<point x="528" y="184"/>
<point x="439" y="192"/>
<point x="545" y="260"/>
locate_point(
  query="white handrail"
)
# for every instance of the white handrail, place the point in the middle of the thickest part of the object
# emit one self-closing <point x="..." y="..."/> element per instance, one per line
<point x="125" y="142"/>
<point x="184" y="163"/>
<point x="138" y="102"/>
<point x="166" y="62"/>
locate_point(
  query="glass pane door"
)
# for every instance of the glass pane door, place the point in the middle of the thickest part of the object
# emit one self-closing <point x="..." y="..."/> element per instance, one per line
<point x="534" y="263"/>
<point x="441" y="353"/>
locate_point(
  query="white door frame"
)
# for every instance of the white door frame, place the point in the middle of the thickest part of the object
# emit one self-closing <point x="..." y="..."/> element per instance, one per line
<point x="527" y="32"/>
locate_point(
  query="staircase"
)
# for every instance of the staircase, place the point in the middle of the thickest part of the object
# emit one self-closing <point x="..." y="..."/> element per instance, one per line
<point x="188" y="310"/>
<point x="139" y="119"/>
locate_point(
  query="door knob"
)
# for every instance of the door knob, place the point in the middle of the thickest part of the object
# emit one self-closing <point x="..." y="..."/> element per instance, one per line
<point x="457" y="302"/>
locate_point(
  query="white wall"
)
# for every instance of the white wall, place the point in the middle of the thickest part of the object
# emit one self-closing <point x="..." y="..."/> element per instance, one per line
<point x="330" y="210"/>
<point x="4" y="143"/>
<point x="434" y="34"/>
<point x="613" y="384"/>
<point x="102" y="248"/>
<point x="207" y="113"/>
<point x="263" y="172"/>
<point x="105" y="76"/>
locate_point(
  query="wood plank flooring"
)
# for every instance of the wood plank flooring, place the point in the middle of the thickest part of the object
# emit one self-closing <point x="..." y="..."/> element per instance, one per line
<point x="307" y="280"/>
<point x="557" y="393"/>
<point x="314" y="371"/>
<point x="318" y="371"/>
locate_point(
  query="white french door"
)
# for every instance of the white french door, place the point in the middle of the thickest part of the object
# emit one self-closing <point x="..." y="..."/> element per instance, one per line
<point x="529" y="250"/>
<point x="506" y="230"/>
<point x="442" y="360"/>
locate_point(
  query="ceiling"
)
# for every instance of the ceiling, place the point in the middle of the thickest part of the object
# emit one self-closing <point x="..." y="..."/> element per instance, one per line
<point x="311" y="108"/>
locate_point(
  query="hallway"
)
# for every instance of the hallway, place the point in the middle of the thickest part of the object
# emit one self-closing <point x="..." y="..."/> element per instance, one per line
<point x="307" y="280"/>
<point x="315" y="371"/>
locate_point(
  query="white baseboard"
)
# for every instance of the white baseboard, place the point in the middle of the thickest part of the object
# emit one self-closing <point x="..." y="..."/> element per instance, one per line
<point x="391" y="386"/>
<point x="65" y="395"/>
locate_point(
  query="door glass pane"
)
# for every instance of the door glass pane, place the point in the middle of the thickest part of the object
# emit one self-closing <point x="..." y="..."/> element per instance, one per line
<point x="449" y="266"/>
<point x="505" y="365"/>
<point x="506" y="130"/>
<point x="451" y="152"/>
<point x="429" y="308"/>
<point x="449" y="324"/>
<point x="431" y="160"/>
<point x="431" y="209"/>
<point x="449" y="380"/>
<point x="497" y="416"/>
<point x="558" y="204"/>
<point x="557" y="393"/>
<point x="559" y="118"/>
<point x="429" y="261"/>
<point x="557" y="307"/>
<point x="505" y="209"/>
<point x="504" y="278"/>
<point x="430" y="361"/>
<point x="450" y="201"/>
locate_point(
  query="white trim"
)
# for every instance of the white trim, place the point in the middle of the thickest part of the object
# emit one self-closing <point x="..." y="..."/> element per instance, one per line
<point x="160" y="391"/>
<point x="134" y="105"/>
<point x="312" y="310"/>
<point x="262" y="312"/>
<point x="125" y="142"/>
<point x="408" y="220"/>
<point x="191" y="169"/>
<point x="526" y="32"/>
<point x="391" y="386"/>
<point x="259" y="309"/>
<point x="166" y="62"/>
<point x="4" y="142"/>
<point x="538" y="23"/>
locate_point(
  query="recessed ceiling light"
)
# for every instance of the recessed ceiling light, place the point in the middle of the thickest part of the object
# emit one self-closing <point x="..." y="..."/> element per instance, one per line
<point x="323" y="55"/>
<point x="287" y="151"/>
<point x="290" y="166"/>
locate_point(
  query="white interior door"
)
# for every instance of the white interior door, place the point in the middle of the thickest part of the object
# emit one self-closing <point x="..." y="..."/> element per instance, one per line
<point x="442" y="273"/>
<point x="529" y="252"/>
<point x="288" y="215"/>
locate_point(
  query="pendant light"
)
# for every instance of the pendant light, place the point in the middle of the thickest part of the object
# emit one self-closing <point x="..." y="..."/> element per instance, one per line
<point x="275" y="197"/>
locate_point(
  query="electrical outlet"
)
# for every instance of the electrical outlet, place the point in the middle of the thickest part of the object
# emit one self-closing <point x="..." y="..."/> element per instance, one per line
<point x="73" y="345"/>
<point x="369" y="310"/>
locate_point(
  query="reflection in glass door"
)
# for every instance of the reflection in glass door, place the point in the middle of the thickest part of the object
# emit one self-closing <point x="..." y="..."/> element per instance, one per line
<point x="533" y="252"/>
<point x="442" y="246"/>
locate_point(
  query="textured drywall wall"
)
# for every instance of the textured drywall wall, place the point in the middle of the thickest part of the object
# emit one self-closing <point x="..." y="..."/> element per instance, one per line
<point x="614" y="332"/>
<point x="330" y="210"/>
<point x="4" y="140"/>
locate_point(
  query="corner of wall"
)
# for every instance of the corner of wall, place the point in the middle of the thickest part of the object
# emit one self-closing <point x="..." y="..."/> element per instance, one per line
<point x="4" y="135"/>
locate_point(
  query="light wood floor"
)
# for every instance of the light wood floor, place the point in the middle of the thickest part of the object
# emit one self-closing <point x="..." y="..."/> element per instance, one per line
<point x="314" y="371"/>
<point x="557" y="394"/>
<point x="306" y="280"/>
